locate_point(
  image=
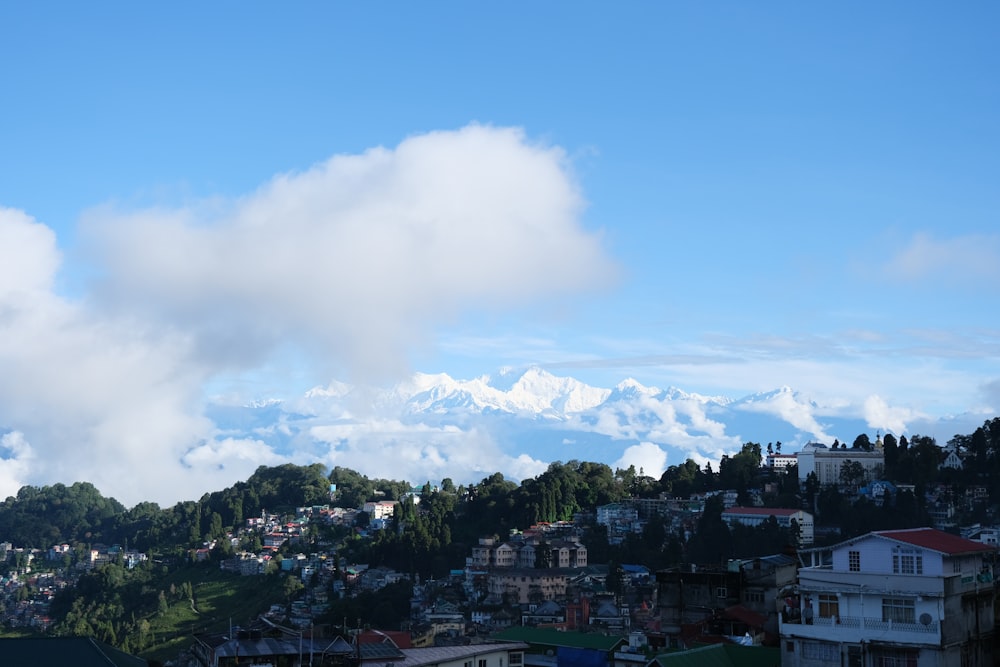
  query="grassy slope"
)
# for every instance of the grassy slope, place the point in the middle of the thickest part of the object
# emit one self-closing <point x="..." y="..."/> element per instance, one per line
<point x="220" y="598"/>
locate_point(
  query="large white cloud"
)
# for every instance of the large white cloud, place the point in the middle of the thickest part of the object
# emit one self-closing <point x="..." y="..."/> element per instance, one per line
<point x="361" y="255"/>
<point x="355" y="260"/>
<point x="98" y="399"/>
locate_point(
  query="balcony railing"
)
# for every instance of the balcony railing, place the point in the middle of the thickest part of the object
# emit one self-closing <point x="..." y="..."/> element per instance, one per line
<point x="873" y="624"/>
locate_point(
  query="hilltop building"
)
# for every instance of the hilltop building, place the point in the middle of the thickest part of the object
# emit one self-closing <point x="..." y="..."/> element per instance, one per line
<point x="780" y="461"/>
<point x="827" y="462"/>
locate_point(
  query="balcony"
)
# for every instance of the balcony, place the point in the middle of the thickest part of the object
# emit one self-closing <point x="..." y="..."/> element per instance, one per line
<point x="854" y="629"/>
<point x="824" y="579"/>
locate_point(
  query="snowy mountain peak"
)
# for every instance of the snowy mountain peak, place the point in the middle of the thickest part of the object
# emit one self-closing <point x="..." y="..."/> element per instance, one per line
<point x="518" y="420"/>
<point x="527" y="391"/>
<point x="631" y="389"/>
<point x="784" y="392"/>
<point x="333" y="390"/>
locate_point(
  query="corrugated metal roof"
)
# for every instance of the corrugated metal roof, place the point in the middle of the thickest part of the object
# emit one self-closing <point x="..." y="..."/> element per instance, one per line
<point x="936" y="540"/>
<point x="547" y="637"/>
<point x="61" y="651"/>
<point x="433" y="655"/>
<point x="762" y="511"/>
<point x="380" y="651"/>
<point x="270" y="646"/>
<point x="722" y="655"/>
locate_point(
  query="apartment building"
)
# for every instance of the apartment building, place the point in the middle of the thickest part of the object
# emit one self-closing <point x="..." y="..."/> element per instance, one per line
<point x="755" y="516"/>
<point x="894" y="598"/>
<point x="827" y="462"/>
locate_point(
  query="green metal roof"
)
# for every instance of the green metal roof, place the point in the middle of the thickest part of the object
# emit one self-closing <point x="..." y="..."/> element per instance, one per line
<point x="62" y="651"/>
<point x="722" y="655"/>
<point x="549" y="637"/>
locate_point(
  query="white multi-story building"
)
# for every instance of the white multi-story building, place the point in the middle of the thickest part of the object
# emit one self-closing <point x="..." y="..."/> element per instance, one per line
<point x="754" y="516"/>
<point x="894" y="598"/>
<point x="780" y="461"/>
<point x="380" y="509"/>
<point x="523" y="553"/>
<point x="827" y="463"/>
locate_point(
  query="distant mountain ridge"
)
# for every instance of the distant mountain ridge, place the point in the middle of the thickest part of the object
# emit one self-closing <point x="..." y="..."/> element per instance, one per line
<point x="516" y="421"/>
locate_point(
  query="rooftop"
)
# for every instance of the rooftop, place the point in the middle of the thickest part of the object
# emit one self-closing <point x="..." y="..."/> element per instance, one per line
<point x="60" y="651"/>
<point x="936" y="540"/>
<point x="762" y="511"/>
<point x="547" y="637"/>
<point x="417" y="657"/>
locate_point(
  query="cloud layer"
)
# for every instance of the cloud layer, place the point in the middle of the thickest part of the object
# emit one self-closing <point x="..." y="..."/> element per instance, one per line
<point x="352" y="263"/>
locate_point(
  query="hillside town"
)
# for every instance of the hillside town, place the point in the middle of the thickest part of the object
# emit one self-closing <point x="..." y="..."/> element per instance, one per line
<point x="917" y="596"/>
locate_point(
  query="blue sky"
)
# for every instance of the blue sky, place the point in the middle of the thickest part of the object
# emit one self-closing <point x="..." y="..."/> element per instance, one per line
<point x="724" y="197"/>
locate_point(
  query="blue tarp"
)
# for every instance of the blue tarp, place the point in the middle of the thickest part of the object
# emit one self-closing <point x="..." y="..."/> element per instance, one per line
<point x="581" y="657"/>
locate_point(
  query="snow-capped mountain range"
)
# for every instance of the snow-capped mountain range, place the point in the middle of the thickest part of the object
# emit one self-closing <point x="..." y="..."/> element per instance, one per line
<point x="517" y="421"/>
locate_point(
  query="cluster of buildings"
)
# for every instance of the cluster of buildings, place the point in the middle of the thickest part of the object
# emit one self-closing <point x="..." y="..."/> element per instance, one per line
<point x="896" y="598"/>
<point x="857" y="472"/>
<point x="899" y="598"/>
<point x="34" y="576"/>
<point x="631" y="515"/>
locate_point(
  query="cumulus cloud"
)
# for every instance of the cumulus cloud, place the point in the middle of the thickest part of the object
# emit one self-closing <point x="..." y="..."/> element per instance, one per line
<point x="360" y="256"/>
<point x="354" y="262"/>
<point x="15" y="459"/>
<point x="973" y="259"/>
<point x="98" y="399"/>
<point x="790" y="407"/>
<point x="396" y="450"/>
<point x="241" y="456"/>
<point x="646" y="456"/>
<point x="28" y="256"/>
<point x="679" y="423"/>
<point x="879" y="414"/>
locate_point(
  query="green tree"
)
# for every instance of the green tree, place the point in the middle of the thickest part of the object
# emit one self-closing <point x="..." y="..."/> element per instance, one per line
<point x="852" y="473"/>
<point x="712" y="541"/>
<point x="291" y="587"/>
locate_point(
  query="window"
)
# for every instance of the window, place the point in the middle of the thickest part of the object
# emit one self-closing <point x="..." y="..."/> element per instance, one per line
<point x="790" y="647"/>
<point x="907" y="561"/>
<point x="516" y="659"/>
<point x="482" y="662"/>
<point x="721" y="592"/>
<point x="898" y="610"/>
<point x="895" y="658"/>
<point x="956" y="566"/>
<point x="753" y="596"/>
<point x="822" y="651"/>
<point x="854" y="561"/>
<point x="829" y="606"/>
